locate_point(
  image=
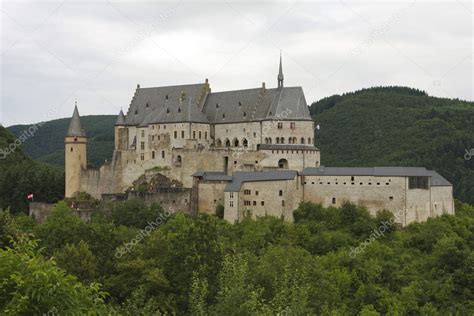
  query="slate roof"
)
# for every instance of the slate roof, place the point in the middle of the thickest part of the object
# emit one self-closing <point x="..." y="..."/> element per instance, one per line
<point x="241" y="177"/>
<point x="75" y="128"/>
<point x="120" y="119"/>
<point x="436" y="179"/>
<point x="165" y="105"/>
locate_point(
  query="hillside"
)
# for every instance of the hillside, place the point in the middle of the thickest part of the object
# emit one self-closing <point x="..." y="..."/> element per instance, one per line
<point x="397" y="126"/>
<point x="20" y="176"/>
<point x="48" y="143"/>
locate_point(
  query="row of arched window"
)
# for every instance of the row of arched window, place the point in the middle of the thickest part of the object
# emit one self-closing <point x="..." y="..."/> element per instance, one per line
<point x="291" y="140"/>
<point x="234" y="143"/>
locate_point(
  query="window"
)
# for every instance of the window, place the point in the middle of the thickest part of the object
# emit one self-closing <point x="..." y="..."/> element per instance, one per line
<point x="166" y="97"/>
<point x="282" y="202"/>
<point x="280" y="193"/>
<point x="142" y="145"/>
<point x="333" y="200"/>
<point x="246" y="192"/>
<point x="175" y="134"/>
<point x="231" y="203"/>
<point x="302" y="140"/>
<point x="231" y="195"/>
<point x="254" y="203"/>
<point x="292" y="125"/>
<point x="217" y="105"/>
<point x="391" y="198"/>
<point x="280" y="125"/>
<point x="418" y="182"/>
<point x="147" y="105"/>
<point x="200" y="136"/>
<point x="143" y="133"/>
<point x="352" y="179"/>
<point x="182" y="134"/>
<point x="256" y="192"/>
<point x="152" y="154"/>
<point x="194" y="134"/>
<point x="142" y="157"/>
<point x="262" y="203"/>
<point x="205" y="135"/>
<point x="163" y="154"/>
<point x="72" y="149"/>
<point x="247" y="203"/>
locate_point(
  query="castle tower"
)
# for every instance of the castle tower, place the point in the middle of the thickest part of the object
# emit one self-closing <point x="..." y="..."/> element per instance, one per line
<point x="75" y="154"/>
<point x="121" y="132"/>
<point x="280" y="75"/>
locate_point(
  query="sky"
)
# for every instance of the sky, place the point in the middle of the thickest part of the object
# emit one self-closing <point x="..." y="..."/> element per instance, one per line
<point x="57" y="53"/>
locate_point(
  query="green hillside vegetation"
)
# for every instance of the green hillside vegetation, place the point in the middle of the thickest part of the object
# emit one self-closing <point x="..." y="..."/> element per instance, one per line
<point x="47" y="145"/>
<point x="205" y="266"/>
<point x="396" y="126"/>
<point x="20" y="175"/>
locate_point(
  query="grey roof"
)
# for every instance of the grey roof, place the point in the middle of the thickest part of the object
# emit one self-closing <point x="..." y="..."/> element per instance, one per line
<point x="166" y="105"/>
<point x="241" y="177"/>
<point x="437" y="180"/>
<point x="148" y="103"/>
<point x="286" y="147"/>
<point x="213" y="176"/>
<point x="120" y="119"/>
<point x="257" y="104"/>
<point x="75" y="128"/>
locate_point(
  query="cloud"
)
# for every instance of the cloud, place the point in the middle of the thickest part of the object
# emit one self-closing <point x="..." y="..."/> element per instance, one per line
<point x="54" y="53"/>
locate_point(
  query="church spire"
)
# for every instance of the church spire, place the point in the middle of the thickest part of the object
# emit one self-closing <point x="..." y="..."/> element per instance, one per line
<point x="75" y="128"/>
<point x="280" y="75"/>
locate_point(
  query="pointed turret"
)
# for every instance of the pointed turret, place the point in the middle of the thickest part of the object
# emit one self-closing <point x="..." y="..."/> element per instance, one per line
<point x="120" y="119"/>
<point x="75" y="128"/>
<point x="280" y="75"/>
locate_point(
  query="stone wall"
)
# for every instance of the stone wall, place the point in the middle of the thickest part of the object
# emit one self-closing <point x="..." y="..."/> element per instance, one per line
<point x="210" y="195"/>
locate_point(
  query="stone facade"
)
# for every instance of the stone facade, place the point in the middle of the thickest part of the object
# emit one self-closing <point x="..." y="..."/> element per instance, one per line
<point x="250" y="150"/>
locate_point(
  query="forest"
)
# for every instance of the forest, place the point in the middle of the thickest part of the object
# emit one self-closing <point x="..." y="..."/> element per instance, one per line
<point x="131" y="259"/>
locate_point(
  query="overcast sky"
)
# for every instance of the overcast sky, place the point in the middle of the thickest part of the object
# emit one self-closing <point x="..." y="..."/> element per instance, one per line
<point x="54" y="53"/>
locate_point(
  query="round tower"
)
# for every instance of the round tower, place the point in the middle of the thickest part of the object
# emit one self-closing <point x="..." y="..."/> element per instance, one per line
<point x="75" y="154"/>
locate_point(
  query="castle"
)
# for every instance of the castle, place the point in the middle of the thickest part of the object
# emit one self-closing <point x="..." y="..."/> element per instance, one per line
<point x="250" y="150"/>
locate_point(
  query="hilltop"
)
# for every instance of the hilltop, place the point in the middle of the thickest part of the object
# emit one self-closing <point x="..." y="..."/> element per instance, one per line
<point x="397" y="126"/>
<point x="48" y="143"/>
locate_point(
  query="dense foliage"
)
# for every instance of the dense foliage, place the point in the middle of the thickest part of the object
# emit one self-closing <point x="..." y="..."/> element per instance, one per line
<point x="399" y="126"/>
<point x="47" y="145"/>
<point x="20" y="176"/>
<point x="206" y="266"/>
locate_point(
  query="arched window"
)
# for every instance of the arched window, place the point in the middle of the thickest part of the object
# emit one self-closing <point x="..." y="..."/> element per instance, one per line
<point x="219" y="143"/>
<point x="302" y="140"/>
<point x="294" y="140"/>
<point x="236" y="142"/>
<point x="178" y="159"/>
<point x="282" y="140"/>
<point x="270" y="139"/>
<point x="283" y="164"/>
<point x="227" y="143"/>
<point x="245" y="143"/>
<point x="278" y="140"/>
<point x="309" y="140"/>
<point x="290" y="140"/>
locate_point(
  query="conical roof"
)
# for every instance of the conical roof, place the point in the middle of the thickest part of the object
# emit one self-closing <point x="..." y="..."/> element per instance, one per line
<point x="75" y="128"/>
<point x="120" y="119"/>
